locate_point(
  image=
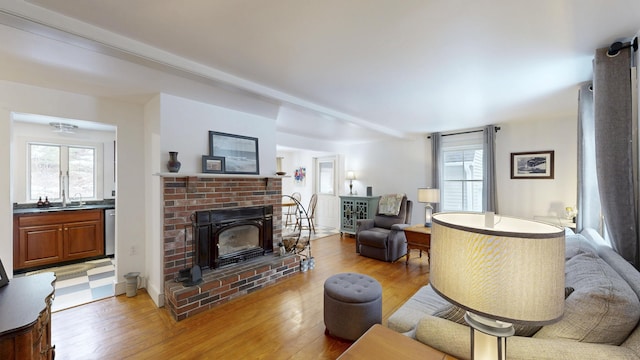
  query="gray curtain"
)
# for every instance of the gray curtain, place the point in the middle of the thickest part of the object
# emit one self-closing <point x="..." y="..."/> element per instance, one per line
<point x="589" y="213"/>
<point x="615" y="150"/>
<point x="436" y="149"/>
<point x="489" y="202"/>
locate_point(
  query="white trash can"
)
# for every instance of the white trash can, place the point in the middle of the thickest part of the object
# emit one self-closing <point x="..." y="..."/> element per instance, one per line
<point x="132" y="283"/>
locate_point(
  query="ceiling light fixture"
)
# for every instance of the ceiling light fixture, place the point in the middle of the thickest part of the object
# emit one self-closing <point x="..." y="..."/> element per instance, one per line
<point x="61" y="127"/>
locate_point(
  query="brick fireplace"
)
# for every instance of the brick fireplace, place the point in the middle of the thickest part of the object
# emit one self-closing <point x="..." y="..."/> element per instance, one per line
<point x="183" y="197"/>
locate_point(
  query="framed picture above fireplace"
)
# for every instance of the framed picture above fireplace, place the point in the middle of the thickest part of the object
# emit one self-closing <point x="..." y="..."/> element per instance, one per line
<point x="240" y="153"/>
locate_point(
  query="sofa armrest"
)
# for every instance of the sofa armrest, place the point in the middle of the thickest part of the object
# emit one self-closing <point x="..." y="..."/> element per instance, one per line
<point x="364" y="224"/>
<point x="444" y="335"/>
<point x="361" y="225"/>
<point x="399" y="227"/>
<point x="454" y="339"/>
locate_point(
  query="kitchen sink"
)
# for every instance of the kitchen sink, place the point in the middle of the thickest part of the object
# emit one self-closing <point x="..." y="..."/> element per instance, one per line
<point x="60" y="207"/>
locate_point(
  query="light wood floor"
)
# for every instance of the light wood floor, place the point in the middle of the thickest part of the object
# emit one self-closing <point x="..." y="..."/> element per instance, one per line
<point x="284" y="321"/>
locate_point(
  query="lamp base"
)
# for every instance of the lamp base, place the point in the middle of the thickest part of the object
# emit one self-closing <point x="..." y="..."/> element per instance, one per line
<point x="488" y="337"/>
<point x="428" y="212"/>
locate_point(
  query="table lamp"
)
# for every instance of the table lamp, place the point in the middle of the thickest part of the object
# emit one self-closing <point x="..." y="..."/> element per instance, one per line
<point x="429" y="196"/>
<point x="507" y="271"/>
<point x="351" y="176"/>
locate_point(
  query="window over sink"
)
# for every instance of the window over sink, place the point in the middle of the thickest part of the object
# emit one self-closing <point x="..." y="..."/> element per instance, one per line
<point x="55" y="169"/>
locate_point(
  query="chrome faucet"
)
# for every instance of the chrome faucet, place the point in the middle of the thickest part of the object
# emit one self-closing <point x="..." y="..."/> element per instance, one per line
<point x="64" y="199"/>
<point x="78" y="196"/>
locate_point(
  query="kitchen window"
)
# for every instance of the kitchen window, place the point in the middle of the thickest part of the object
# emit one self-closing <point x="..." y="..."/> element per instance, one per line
<point x="57" y="169"/>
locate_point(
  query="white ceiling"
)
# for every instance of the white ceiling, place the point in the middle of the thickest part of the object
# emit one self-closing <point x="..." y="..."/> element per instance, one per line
<point x="344" y="70"/>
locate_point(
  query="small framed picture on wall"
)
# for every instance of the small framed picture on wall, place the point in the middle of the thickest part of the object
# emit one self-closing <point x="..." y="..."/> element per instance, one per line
<point x="532" y="165"/>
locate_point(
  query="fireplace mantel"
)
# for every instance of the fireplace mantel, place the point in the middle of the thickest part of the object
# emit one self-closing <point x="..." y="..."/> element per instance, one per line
<point x="227" y="176"/>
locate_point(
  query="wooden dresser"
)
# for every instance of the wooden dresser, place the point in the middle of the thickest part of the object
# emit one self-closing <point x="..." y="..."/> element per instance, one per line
<point x="25" y="318"/>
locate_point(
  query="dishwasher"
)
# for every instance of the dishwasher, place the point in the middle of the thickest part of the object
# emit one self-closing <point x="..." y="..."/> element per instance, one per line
<point x="110" y="232"/>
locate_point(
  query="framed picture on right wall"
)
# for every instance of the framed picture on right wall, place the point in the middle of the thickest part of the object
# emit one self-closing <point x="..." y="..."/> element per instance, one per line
<point x="532" y="165"/>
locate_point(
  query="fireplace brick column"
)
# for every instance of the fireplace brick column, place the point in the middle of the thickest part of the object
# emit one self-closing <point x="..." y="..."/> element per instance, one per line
<point x="185" y="195"/>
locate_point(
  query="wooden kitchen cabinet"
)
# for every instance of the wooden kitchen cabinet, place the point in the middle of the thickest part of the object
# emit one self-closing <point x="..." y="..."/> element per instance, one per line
<point x="53" y="237"/>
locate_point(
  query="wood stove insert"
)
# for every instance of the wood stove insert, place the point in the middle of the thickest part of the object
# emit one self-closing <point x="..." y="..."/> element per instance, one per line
<point x="228" y="236"/>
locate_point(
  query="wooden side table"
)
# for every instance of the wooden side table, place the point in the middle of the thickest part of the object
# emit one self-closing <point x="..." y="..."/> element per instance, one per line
<point x="380" y="342"/>
<point x="418" y="237"/>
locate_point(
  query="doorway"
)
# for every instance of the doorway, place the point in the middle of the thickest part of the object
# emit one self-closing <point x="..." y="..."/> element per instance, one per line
<point x="83" y="175"/>
<point x="326" y="186"/>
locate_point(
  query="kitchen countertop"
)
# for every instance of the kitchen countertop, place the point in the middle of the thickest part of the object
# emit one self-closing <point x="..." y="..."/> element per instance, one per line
<point x="58" y="207"/>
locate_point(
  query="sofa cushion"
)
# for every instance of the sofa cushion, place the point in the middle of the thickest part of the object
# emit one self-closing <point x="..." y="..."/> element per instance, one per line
<point x="375" y="237"/>
<point x="577" y="244"/>
<point x="424" y="302"/>
<point x="602" y="308"/>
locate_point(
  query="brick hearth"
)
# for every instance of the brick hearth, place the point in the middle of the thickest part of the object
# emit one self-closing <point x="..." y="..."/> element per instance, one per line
<point x="224" y="284"/>
<point x="185" y="195"/>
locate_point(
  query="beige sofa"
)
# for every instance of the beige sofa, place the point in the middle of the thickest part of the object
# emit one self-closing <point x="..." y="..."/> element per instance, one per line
<point x="602" y="310"/>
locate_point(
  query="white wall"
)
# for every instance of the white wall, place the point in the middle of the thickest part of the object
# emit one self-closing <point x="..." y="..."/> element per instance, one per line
<point x="392" y="166"/>
<point x="185" y="126"/>
<point x="405" y="165"/>
<point x="528" y="198"/>
<point x="154" y="244"/>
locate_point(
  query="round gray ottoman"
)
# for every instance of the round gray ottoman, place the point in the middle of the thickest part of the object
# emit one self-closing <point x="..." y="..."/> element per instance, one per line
<point x="352" y="304"/>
